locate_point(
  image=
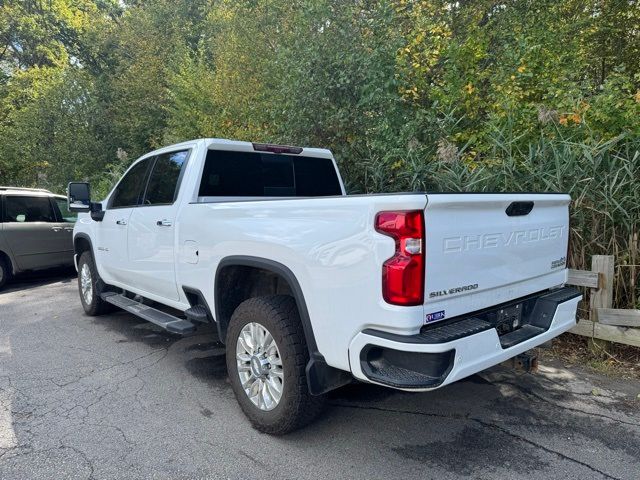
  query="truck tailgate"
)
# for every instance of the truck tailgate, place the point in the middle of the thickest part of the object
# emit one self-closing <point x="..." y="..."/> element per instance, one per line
<point x="486" y="249"/>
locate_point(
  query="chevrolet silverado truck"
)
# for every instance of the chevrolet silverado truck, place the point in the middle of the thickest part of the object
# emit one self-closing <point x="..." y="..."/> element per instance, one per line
<point x="310" y="288"/>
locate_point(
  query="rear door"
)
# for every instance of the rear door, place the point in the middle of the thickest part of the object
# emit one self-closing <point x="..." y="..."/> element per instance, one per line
<point x="152" y="228"/>
<point x="31" y="230"/>
<point x="486" y="249"/>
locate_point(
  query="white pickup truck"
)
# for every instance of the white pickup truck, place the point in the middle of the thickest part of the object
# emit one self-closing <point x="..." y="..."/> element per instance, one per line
<point x="310" y="288"/>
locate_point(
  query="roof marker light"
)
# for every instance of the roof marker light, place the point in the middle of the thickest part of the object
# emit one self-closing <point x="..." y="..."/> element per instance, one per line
<point x="266" y="147"/>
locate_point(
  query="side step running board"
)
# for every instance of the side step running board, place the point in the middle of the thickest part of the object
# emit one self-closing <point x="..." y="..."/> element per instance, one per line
<point x="168" y="322"/>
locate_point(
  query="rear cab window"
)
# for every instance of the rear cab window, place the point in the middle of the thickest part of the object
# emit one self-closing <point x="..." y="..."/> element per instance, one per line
<point x="255" y="174"/>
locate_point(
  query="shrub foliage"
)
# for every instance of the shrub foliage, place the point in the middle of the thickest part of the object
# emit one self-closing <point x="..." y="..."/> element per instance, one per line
<point x="535" y="95"/>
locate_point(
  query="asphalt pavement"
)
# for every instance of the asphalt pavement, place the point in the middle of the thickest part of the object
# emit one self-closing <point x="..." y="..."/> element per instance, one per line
<point x="116" y="397"/>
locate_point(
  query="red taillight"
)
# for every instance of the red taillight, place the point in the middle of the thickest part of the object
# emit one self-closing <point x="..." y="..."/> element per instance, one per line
<point x="403" y="274"/>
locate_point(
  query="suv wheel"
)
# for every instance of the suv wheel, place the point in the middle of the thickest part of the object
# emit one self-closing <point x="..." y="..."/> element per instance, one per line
<point x="87" y="285"/>
<point x="266" y="359"/>
<point x="5" y="271"/>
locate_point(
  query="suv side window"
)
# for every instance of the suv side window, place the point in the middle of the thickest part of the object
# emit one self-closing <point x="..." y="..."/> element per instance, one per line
<point x="164" y="181"/>
<point x="128" y="193"/>
<point x="63" y="211"/>
<point x="24" y="209"/>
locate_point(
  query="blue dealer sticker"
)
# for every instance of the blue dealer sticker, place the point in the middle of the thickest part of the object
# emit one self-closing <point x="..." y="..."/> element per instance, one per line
<point x="435" y="316"/>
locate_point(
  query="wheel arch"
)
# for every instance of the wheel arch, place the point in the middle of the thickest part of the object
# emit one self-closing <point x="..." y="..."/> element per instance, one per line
<point x="321" y="377"/>
<point x="6" y="257"/>
<point x="224" y="305"/>
<point x="82" y="243"/>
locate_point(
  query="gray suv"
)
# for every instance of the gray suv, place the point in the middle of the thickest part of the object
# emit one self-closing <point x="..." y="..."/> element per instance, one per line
<point x="36" y="231"/>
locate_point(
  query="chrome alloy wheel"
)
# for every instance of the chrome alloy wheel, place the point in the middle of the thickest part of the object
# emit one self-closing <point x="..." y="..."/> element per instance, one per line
<point x="85" y="284"/>
<point x="259" y="366"/>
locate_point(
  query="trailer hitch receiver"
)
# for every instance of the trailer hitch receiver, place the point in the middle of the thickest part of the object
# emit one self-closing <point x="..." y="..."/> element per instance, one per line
<point x="526" y="362"/>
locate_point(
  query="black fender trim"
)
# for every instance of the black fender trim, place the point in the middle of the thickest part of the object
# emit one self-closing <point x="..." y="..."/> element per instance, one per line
<point x="86" y="237"/>
<point x="321" y="377"/>
<point x="101" y="287"/>
<point x="280" y="269"/>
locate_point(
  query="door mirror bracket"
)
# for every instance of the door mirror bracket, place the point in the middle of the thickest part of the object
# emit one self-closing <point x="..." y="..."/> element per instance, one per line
<point x="97" y="213"/>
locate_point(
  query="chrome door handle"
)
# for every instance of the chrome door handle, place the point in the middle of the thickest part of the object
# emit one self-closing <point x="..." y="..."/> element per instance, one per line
<point x="121" y="222"/>
<point x="163" y="223"/>
<point x="56" y="229"/>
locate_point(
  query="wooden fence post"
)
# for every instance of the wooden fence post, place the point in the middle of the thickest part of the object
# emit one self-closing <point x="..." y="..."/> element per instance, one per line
<point x="603" y="297"/>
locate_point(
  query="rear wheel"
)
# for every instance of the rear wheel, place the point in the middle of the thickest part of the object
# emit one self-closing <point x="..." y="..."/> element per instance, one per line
<point x="5" y="270"/>
<point x="87" y="286"/>
<point x="266" y="359"/>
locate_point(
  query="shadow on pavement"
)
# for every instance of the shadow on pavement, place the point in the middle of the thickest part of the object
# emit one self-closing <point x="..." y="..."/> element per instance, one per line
<point x="29" y="280"/>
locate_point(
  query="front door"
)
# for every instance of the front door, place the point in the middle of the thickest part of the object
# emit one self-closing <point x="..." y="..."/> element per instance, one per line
<point x="111" y="233"/>
<point x="152" y="228"/>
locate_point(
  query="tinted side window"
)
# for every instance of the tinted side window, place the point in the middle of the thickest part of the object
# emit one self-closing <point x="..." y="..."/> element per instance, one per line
<point x="164" y="180"/>
<point x="65" y="214"/>
<point x="129" y="191"/>
<point x="28" y="209"/>
<point x="248" y="174"/>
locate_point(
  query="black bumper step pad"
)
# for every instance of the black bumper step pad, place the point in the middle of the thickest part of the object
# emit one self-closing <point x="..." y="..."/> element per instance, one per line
<point x="520" y="335"/>
<point x="561" y="295"/>
<point x="454" y="331"/>
<point x="399" y="377"/>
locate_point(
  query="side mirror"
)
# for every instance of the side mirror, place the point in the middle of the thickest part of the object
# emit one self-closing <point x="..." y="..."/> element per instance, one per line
<point x="78" y="197"/>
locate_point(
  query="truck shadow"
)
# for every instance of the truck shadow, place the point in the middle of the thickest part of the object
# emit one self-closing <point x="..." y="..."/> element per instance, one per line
<point x="206" y="361"/>
<point x="202" y="354"/>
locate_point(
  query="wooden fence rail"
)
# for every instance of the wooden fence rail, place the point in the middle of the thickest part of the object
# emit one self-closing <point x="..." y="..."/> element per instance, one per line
<point x="583" y="278"/>
<point x="604" y="323"/>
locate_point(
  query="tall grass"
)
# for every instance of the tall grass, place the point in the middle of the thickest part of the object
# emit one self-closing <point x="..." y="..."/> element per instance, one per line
<point x="603" y="180"/>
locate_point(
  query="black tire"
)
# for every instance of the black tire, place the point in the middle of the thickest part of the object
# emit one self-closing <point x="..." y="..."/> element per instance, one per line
<point x="5" y="271"/>
<point x="96" y="306"/>
<point x="297" y="407"/>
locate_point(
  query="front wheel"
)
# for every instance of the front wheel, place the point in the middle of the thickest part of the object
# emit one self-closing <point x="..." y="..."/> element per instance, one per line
<point x="266" y="359"/>
<point x="87" y="285"/>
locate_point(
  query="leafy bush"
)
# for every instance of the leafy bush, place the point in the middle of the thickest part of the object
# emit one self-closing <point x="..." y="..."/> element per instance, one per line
<point x="409" y="94"/>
